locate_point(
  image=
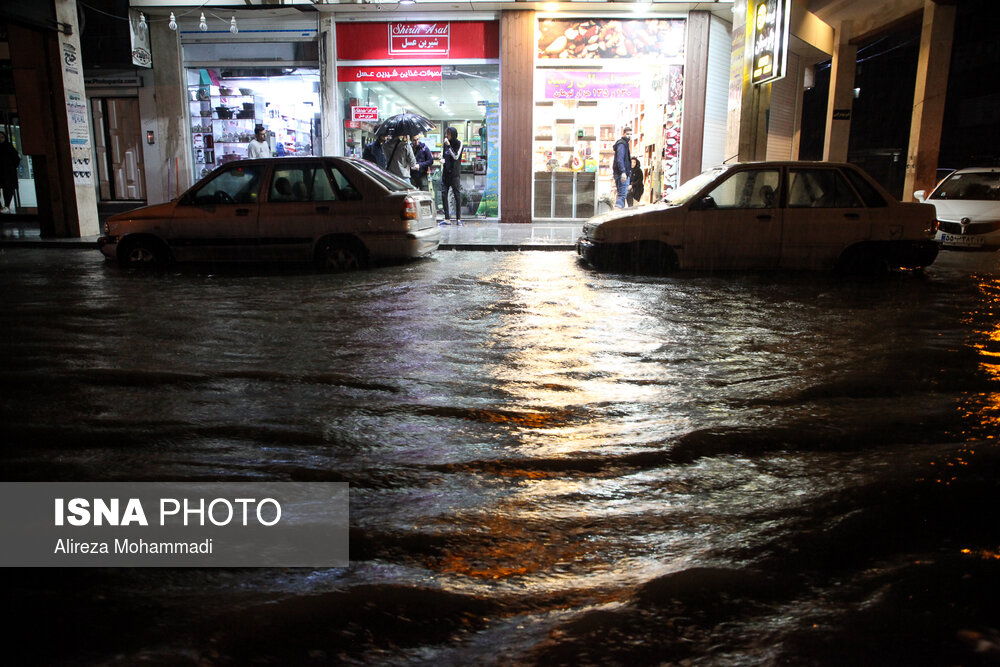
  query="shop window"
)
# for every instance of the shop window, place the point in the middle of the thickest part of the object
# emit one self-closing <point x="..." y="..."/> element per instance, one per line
<point x="227" y="104"/>
<point x="593" y="78"/>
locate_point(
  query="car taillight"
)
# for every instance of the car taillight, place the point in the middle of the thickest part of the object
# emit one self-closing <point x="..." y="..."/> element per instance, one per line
<point x="410" y="211"/>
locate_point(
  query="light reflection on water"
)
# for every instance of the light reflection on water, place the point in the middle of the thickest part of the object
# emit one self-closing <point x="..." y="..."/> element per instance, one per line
<point x="538" y="440"/>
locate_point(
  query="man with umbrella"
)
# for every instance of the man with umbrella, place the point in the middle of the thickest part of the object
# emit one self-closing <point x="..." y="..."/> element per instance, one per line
<point x="399" y="158"/>
<point x="398" y="152"/>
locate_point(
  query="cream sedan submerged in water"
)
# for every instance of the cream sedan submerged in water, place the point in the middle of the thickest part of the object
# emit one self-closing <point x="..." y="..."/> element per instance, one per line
<point x="341" y="213"/>
<point x="767" y="215"/>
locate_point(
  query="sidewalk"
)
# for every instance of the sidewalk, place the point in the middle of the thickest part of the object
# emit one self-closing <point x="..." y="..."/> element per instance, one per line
<point x="473" y="235"/>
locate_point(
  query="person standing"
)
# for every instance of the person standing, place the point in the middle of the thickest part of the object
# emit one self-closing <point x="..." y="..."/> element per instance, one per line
<point x="635" y="183"/>
<point x="258" y="146"/>
<point x="399" y="157"/>
<point x="373" y="151"/>
<point x="424" y="158"/>
<point x="622" y="165"/>
<point x="9" y="160"/>
<point x="451" y="173"/>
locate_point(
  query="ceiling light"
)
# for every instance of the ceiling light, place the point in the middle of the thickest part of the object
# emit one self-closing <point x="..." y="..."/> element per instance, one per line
<point x="173" y="22"/>
<point x="201" y="23"/>
<point x="407" y="2"/>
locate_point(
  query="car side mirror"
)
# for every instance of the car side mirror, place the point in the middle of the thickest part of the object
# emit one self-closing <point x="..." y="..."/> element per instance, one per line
<point x="921" y="195"/>
<point x="706" y="203"/>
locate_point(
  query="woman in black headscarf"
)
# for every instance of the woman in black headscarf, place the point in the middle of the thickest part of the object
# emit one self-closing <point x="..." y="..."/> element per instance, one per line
<point x="635" y="183"/>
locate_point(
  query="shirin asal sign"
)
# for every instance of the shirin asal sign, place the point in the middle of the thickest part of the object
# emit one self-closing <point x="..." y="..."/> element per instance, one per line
<point x="770" y="40"/>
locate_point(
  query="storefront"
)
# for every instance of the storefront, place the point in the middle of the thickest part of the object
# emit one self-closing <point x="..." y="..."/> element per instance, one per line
<point x="234" y="86"/>
<point x="594" y="77"/>
<point x="447" y="72"/>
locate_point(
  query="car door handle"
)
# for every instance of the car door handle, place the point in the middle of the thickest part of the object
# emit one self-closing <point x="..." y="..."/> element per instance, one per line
<point x="242" y="211"/>
<point x="852" y="216"/>
<point x="763" y="217"/>
<point x="322" y="209"/>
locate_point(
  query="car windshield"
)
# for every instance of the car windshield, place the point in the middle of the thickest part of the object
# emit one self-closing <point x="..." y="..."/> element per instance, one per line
<point x="689" y="189"/>
<point x="973" y="186"/>
<point x="385" y="179"/>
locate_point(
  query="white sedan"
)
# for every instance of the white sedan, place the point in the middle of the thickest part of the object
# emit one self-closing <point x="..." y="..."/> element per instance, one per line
<point x="767" y="215"/>
<point x="968" y="208"/>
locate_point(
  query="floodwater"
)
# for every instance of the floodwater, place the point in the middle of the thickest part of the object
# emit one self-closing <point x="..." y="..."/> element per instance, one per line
<point x="547" y="465"/>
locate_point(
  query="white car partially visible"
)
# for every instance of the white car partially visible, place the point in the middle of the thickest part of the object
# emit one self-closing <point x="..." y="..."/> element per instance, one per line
<point x="968" y="209"/>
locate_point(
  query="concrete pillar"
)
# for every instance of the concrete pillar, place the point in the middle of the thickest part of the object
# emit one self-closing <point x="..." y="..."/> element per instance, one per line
<point x="695" y="79"/>
<point x="517" y="71"/>
<point x="840" y="101"/>
<point x="332" y="127"/>
<point x="739" y="104"/>
<point x="77" y="112"/>
<point x="929" y="98"/>
<point x="173" y="173"/>
<point x="746" y="123"/>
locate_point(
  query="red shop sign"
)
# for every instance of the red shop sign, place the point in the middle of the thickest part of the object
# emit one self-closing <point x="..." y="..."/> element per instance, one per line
<point x="390" y="73"/>
<point x="364" y="113"/>
<point x="442" y="40"/>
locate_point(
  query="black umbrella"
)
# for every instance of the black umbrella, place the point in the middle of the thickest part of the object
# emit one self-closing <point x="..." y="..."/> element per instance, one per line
<point x="403" y="123"/>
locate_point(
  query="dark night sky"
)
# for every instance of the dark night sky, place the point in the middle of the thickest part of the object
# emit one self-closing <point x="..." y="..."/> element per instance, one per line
<point x="885" y="74"/>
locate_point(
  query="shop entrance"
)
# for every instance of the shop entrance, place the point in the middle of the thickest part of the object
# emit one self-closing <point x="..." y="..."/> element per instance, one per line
<point x="227" y="103"/>
<point x="117" y="142"/>
<point x="465" y="97"/>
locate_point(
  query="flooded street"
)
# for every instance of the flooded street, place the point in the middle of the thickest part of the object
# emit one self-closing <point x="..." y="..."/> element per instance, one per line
<point x="547" y="465"/>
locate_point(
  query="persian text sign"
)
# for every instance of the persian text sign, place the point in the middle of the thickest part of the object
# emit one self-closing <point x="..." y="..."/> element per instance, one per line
<point x="770" y="40"/>
<point x="444" y="40"/>
<point x="590" y="85"/>
<point x="154" y="524"/>
<point x="419" y="38"/>
<point x="403" y="73"/>
<point x="364" y="113"/>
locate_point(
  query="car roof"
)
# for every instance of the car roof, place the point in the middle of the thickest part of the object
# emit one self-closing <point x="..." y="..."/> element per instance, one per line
<point x="977" y="170"/>
<point x="786" y="163"/>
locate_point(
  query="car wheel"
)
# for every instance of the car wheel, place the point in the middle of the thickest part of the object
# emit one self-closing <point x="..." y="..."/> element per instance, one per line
<point x="141" y="253"/>
<point x="653" y="258"/>
<point x="338" y="256"/>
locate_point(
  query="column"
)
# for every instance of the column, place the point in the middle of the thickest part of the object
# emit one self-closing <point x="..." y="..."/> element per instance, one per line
<point x="695" y="81"/>
<point x="517" y="43"/>
<point x="929" y="98"/>
<point x="173" y="126"/>
<point x="841" y="99"/>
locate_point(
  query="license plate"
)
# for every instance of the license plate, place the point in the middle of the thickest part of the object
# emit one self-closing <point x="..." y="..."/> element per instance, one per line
<point x="964" y="241"/>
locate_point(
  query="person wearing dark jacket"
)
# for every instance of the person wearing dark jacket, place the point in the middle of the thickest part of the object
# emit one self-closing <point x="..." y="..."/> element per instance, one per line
<point x="9" y="160"/>
<point x="635" y="183"/>
<point x="422" y="153"/>
<point x="622" y="165"/>
<point x="373" y="152"/>
<point x="451" y="173"/>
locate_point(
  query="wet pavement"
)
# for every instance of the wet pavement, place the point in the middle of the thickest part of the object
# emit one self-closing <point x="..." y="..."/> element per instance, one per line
<point x="548" y="465"/>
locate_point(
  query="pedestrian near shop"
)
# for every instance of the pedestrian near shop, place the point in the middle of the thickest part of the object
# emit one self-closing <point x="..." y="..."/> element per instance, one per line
<point x="399" y="157"/>
<point x="622" y="167"/>
<point x="258" y="146"/>
<point x="373" y="152"/>
<point x="422" y="154"/>
<point x="635" y="187"/>
<point x="9" y="161"/>
<point x="451" y="174"/>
